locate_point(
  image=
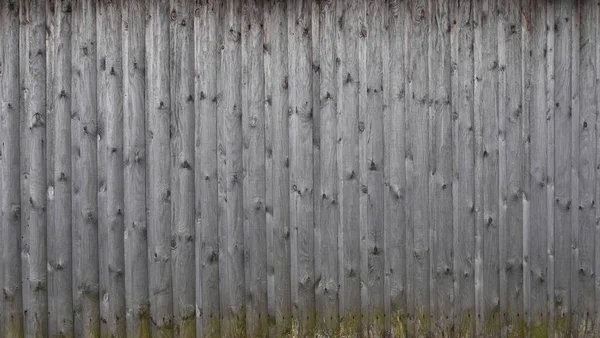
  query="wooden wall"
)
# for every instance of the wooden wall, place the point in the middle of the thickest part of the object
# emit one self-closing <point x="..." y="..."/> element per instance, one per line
<point x="381" y="168"/>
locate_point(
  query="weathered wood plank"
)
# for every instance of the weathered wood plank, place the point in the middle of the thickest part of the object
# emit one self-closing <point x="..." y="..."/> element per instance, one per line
<point x="395" y="175"/>
<point x="550" y="203"/>
<point x="134" y="169"/>
<point x="301" y="165"/>
<point x="440" y="167"/>
<point x="254" y="183"/>
<point x="326" y="291"/>
<point x="463" y="170"/>
<point x="182" y="166"/>
<point x="84" y="163"/>
<point x="586" y="162"/>
<point x="12" y="307"/>
<point x="562" y="167"/>
<point x="347" y="18"/>
<point x="538" y="109"/>
<point x="231" y="175"/>
<point x="33" y="167"/>
<point x="110" y="180"/>
<point x="370" y="130"/>
<point x="276" y="88"/>
<point x="58" y="82"/>
<point x="159" y="131"/>
<point x="206" y="22"/>
<point x="417" y="167"/>
<point x="486" y="77"/>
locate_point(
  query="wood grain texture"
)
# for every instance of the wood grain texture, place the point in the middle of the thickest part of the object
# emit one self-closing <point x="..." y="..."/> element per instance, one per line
<point x="12" y="305"/>
<point x="158" y="135"/>
<point x="134" y="169"/>
<point x="207" y="232"/>
<point x="395" y="175"/>
<point x="254" y="168"/>
<point x="84" y="162"/>
<point x="58" y="79"/>
<point x="301" y="166"/>
<point x="271" y="168"/>
<point x="33" y="167"/>
<point x="110" y="176"/>
<point x="277" y="139"/>
<point x="183" y="165"/>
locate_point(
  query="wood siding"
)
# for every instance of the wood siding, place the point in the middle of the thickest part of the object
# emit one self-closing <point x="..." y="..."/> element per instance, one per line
<point x="181" y="168"/>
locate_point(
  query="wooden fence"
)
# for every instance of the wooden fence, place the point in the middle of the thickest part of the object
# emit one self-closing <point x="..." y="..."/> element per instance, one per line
<point x="341" y="168"/>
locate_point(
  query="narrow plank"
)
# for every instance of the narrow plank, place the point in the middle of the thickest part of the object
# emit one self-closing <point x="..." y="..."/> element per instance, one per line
<point x="326" y="291"/>
<point x="84" y="169"/>
<point x="254" y="183"/>
<point x="347" y="16"/>
<point x="182" y="167"/>
<point x="102" y="88"/>
<point x="478" y="126"/>
<point x="134" y="169"/>
<point x="502" y="179"/>
<point x="33" y="167"/>
<point x="538" y="261"/>
<point x="207" y="235"/>
<point x="370" y="130"/>
<point x="301" y="166"/>
<point x="395" y="175"/>
<point x="463" y="187"/>
<point x="562" y="167"/>
<point x="550" y="204"/>
<point x="574" y="119"/>
<point x="487" y="78"/>
<point x="12" y="310"/>
<point x="511" y="115"/>
<point x="440" y="167"/>
<point x="586" y="163"/>
<point x="159" y="131"/>
<point x="417" y="165"/>
<point x="526" y="56"/>
<point x="231" y="176"/>
<point x="110" y="176"/>
<point x="58" y="89"/>
<point x="276" y="96"/>
<point x="318" y="227"/>
<point x="596" y="197"/>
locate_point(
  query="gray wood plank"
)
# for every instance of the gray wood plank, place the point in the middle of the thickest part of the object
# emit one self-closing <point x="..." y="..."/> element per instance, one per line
<point x="347" y="17"/>
<point x="550" y="106"/>
<point x="231" y="175"/>
<point x="562" y="167"/>
<point x="183" y="165"/>
<point x="417" y="167"/>
<point x="159" y="131"/>
<point x="110" y="180"/>
<point x="276" y="88"/>
<point x="33" y="167"/>
<point x="395" y="175"/>
<point x="134" y="169"/>
<point x="254" y="183"/>
<point x="207" y="235"/>
<point x="84" y="131"/>
<point x="586" y="162"/>
<point x="478" y="126"/>
<point x="463" y="187"/>
<point x="370" y="129"/>
<point x="12" y="307"/>
<point x="440" y="167"/>
<point x="58" y="89"/>
<point x="538" y="109"/>
<point x="301" y="165"/>
<point x="327" y="297"/>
